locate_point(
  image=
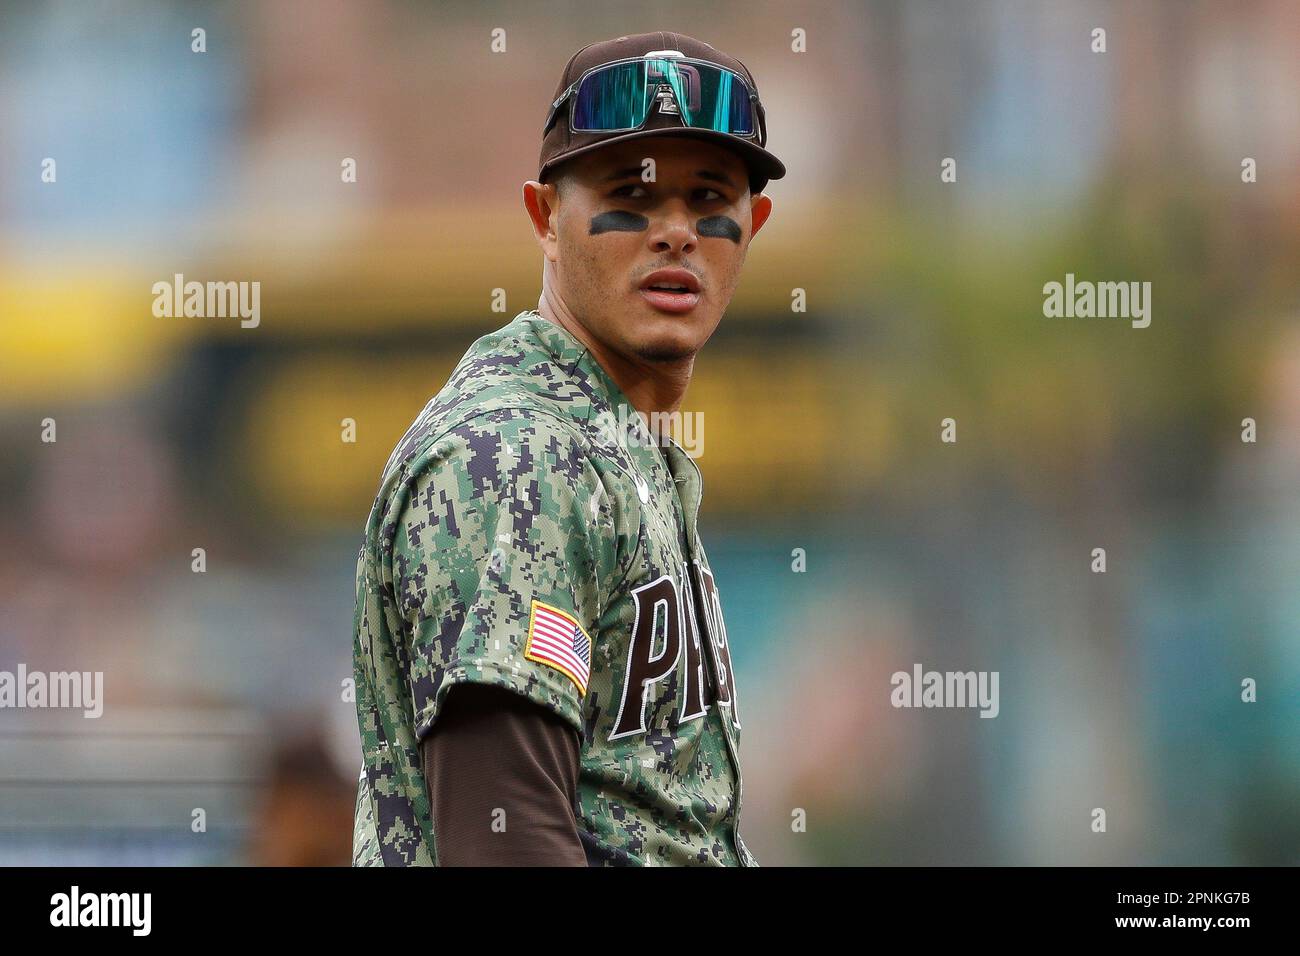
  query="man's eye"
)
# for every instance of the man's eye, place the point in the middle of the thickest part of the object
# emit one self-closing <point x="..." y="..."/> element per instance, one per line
<point x="623" y="191"/>
<point x="709" y="198"/>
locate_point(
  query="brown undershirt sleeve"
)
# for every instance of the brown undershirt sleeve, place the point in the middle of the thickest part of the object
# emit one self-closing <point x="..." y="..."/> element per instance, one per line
<point x="493" y="749"/>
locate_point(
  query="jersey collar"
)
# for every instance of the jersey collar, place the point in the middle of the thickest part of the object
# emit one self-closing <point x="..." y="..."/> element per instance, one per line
<point x="601" y="419"/>
<point x="581" y="366"/>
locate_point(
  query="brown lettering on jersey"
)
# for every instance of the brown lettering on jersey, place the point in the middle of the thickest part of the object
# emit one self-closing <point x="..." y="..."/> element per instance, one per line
<point x="724" y="678"/>
<point x="656" y="601"/>
<point x="696" y="700"/>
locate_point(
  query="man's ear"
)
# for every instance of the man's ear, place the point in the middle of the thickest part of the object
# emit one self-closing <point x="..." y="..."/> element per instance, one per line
<point x="541" y="200"/>
<point x="759" y="209"/>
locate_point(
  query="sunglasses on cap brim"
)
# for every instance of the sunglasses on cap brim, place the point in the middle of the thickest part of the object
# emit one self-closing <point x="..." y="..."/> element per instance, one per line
<point x="617" y="96"/>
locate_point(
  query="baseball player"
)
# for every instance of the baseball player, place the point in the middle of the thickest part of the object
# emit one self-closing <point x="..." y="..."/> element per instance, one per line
<point x="543" y="674"/>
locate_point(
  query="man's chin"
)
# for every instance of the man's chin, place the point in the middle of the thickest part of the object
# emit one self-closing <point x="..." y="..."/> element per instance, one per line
<point x="664" y="352"/>
<point x="668" y="339"/>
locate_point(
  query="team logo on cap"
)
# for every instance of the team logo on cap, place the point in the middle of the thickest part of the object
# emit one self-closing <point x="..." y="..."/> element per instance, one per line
<point x="667" y="102"/>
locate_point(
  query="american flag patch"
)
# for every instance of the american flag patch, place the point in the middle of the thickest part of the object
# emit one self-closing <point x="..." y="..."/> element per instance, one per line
<point x="558" y="640"/>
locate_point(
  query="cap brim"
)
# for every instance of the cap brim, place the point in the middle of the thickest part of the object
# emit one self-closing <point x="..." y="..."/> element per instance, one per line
<point x="756" y="158"/>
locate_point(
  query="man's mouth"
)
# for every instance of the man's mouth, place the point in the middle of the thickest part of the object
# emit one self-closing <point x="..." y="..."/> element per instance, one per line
<point x="671" y="290"/>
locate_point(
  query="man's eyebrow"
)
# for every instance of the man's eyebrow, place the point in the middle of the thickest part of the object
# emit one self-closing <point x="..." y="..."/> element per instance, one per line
<point x="623" y="174"/>
<point x="716" y="177"/>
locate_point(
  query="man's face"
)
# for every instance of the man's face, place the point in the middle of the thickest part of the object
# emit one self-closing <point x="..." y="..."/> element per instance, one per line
<point x="610" y="231"/>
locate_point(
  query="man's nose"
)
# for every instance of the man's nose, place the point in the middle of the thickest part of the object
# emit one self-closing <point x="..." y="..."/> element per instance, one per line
<point x="673" y="231"/>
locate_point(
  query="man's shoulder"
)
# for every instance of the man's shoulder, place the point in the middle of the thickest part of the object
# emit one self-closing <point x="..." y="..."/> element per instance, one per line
<point x="507" y="385"/>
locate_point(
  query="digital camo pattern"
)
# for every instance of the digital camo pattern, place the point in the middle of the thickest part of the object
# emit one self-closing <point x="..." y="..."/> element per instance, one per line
<point x="515" y="484"/>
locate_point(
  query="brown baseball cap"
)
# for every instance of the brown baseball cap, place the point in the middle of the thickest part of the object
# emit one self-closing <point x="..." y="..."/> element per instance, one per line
<point x="559" y="143"/>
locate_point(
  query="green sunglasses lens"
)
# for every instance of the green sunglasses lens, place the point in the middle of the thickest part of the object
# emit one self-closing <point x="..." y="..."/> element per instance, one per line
<point x="615" y="97"/>
<point x="618" y="96"/>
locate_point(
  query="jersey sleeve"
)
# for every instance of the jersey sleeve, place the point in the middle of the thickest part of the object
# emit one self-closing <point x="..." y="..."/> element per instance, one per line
<point x="500" y="562"/>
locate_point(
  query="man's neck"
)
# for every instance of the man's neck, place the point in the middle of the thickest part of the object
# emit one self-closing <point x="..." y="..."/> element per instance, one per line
<point x="650" y="386"/>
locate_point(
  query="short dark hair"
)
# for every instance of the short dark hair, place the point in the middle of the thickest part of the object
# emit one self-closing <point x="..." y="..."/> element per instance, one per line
<point x="560" y="177"/>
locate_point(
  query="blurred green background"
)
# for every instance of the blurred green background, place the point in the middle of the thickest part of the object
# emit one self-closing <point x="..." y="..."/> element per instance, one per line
<point x="225" y="689"/>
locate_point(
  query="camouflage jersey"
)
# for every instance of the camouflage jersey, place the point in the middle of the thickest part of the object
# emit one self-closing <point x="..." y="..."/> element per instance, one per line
<point x="529" y="534"/>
